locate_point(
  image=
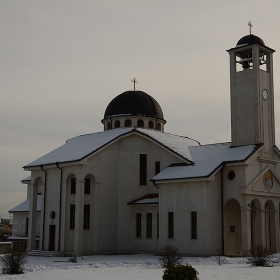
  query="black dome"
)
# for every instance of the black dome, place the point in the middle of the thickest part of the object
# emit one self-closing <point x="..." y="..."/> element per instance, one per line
<point x="250" y="40"/>
<point x="136" y="103"/>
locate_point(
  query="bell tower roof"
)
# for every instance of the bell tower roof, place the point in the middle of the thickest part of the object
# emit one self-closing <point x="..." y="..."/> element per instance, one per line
<point x="250" y="39"/>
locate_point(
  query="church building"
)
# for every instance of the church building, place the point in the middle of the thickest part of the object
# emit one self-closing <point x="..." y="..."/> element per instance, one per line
<point x="134" y="188"/>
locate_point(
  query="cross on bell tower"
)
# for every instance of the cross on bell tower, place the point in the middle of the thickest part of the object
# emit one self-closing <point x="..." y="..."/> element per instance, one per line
<point x="250" y="27"/>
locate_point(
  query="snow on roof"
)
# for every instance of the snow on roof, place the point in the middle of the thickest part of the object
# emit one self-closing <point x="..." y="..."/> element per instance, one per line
<point x="147" y="199"/>
<point x="178" y="144"/>
<point x="79" y="147"/>
<point x="15" y="237"/>
<point x="207" y="159"/>
<point x="24" y="206"/>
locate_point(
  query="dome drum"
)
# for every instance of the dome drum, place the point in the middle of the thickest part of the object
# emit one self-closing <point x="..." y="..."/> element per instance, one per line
<point x="133" y="121"/>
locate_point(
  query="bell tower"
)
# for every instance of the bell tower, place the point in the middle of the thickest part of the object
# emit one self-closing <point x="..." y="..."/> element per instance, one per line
<point x="251" y="93"/>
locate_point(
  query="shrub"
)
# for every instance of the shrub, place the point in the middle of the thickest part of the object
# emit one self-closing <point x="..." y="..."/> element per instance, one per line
<point x="13" y="262"/>
<point x="5" y="233"/>
<point x="169" y="255"/>
<point x="180" y="272"/>
<point x="259" y="256"/>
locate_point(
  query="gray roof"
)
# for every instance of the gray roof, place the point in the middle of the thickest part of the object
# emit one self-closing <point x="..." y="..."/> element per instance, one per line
<point x="24" y="206"/>
<point x="207" y="158"/>
<point x="78" y="148"/>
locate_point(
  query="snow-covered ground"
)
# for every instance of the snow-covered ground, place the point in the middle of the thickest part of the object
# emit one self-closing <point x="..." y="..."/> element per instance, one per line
<point x="139" y="267"/>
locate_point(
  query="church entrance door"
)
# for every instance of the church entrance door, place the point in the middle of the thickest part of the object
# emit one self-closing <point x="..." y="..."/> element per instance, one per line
<point x="232" y="228"/>
<point x="52" y="238"/>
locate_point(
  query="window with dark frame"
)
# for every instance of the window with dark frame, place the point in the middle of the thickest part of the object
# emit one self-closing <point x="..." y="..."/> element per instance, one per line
<point x="143" y="169"/>
<point x="157" y="167"/>
<point x="157" y="225"/>
<point x="26" y="226"/>
<point x="193" y="225"/>
<point x="138" y="224"/>
<point x="86" y="216"/>
<point x="170" y="225"/>
<point x="87" y="186"/>
<point x="149" y="222"/>
<point x="73" y="185"/>
<point x="72" y="216"/>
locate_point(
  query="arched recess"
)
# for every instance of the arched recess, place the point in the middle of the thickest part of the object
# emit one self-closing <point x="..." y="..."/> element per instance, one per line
<point x="140" y="123"/>
<point x="159" y="126"/>
<point x="127" y="123"/>
<point x="256" y="223"/>
<point x="117" y="124"/>
<point x="108" y="125"/>
<point x="151" y="124"/>
<point x="270" y="227"/>
<point x="232" y="227"/>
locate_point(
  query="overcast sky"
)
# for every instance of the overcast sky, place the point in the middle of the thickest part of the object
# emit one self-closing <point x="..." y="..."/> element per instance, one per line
<point x="62" y="62"/>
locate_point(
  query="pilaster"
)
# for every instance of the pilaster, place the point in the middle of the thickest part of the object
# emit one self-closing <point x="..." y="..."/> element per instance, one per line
<point x="32" y="218"/>
<point x="79" y="217"/>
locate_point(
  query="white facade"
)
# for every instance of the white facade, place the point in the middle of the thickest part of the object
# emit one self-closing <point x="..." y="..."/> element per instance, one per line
<point x="102" y="193"/>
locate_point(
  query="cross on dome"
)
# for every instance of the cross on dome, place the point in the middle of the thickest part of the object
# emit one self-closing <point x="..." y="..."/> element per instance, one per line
<point x="134" y="82"/>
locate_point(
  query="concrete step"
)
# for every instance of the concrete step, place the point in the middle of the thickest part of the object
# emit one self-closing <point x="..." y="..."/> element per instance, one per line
<point x="40" y="253"/>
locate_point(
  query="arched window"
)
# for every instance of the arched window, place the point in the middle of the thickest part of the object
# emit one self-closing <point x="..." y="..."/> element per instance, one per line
<point x="159" y="126"/>
<point x="127" y="123"/>
<point x="151" y="124"/>
<point x="108" y="125"/>
<point x="117" y="124"/>
<point x="140" y="123"/>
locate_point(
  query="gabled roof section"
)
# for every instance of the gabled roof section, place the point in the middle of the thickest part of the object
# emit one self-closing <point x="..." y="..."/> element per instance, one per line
<point x="146" y="199"/>
<point x="207" y="158"/>
<point x="24" y="206"/>
<point x="80" y="147"/>
<point x="26" y="180"/>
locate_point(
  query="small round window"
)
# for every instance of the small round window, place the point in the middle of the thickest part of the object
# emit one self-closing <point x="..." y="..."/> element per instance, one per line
<point x="231" y="175"/>
<point x="52" y="215"/>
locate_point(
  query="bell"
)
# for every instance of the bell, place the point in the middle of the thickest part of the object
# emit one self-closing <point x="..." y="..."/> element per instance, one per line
<point x="246" y="64"/>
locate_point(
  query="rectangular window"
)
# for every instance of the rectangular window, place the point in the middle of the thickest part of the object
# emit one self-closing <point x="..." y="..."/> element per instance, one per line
<point x="86" y="216"/>
<point x="157" y="167"/>
<point x="26" y="226"/>
<point x="72" y="216"/>
<point x="157" y="225"/>
<point x="73" y="185"/>
<point x="170" y="225"/>
<point x="143" y="169"/>
<point x="87" y="185"/>
<point x="149" y="222"/>
<point x="193" y="225"/>
<point x="138" y="224"/>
